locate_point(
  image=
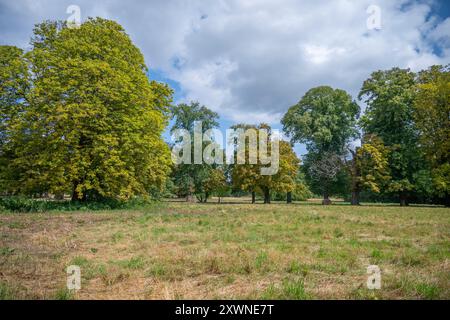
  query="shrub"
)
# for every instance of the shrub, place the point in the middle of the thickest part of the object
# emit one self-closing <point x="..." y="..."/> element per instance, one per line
<point x="23" y="204"/>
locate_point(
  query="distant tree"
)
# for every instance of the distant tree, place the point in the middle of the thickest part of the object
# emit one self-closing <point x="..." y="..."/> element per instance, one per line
<point x="185" y="115"/>
<point x="245" y="176"/>
<point x="13" y="87"/>
<point x="301" y="191"/>
<point x="432" y="117"/>
<point x="389" y="115"/>
<point x="325" y="120"/>
<point x="216" y="183"/>
<point x="323" y="172"/>
<point x="285" y="180"/>
<point x="368" y="167"/>
<point x="248" y="176"/>
<point x="192" y="179"/>
<point x="91" y="120"/>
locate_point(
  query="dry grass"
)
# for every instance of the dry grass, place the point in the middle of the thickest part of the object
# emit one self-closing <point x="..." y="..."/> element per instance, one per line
<point x="207" y="251"/>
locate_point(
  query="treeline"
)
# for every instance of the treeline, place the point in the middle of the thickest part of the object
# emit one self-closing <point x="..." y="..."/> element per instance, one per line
<point x="404" y="132"/>
<point x="200" y="181"/>
<point x="79" y="116"/>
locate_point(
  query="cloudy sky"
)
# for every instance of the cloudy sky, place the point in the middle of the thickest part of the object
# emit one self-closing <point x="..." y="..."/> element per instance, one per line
<point x="250" y="60"/>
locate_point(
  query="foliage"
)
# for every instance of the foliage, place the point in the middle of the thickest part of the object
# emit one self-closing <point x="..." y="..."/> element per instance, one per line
<point x="245" y="176"/>
<point x="91" y="121"/>
<point x="13" y="85"/>
<point x="193" y="179"/>
<point x="325" y="120"/>
<point x="441" y="179"/>
<point x="389" y="115"/>
<point x="372" y="164"/>
<point x="431" y="115"/>
<point x="78" y="114"/>
<point x="27" y="205"/>
<point x="185" y="115"/>
<point x="248" y="176"/>
<point x="216" y="183"/>
<point x="368" y="167"/>
<point x="300" y="192"/>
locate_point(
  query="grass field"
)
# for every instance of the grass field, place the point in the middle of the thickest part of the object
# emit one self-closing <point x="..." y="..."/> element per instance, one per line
<point x="178" y="250"/>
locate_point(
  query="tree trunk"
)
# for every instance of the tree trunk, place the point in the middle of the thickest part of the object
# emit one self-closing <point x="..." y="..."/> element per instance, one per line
<point x="219" y="200"/>
<point x="289" y="197"/>
<point x="326" y="198"/>
<point x="206" y="197"/>
<point x="355" y="197"/>
<point x="403" y="199"/>
<point x="355" y="174"/>
<point x="75" y="195"/>
<point x="253" y="197"/>
<point x="267" y="195"/>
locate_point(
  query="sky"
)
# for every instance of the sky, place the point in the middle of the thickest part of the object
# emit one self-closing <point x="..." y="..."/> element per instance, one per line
<point x="250" y="60"/>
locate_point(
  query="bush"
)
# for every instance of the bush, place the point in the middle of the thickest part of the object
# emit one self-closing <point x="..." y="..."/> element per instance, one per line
<point x="23" y="204"/>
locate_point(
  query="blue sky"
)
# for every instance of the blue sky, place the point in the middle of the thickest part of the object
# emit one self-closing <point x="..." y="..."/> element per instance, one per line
<point x="250" y="60"/>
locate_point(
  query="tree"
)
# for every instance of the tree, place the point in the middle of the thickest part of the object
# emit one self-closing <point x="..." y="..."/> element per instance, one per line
<point x="245" y="176"/>
<point x="248" y="176"/>
<point x="369" y="167"/>
<point x="13" y="86"/>
<point x="389" y="115"/>
<point x="300" y="192"/>
<point x="215" y="183"/>
<point x="92" y="121"/>
<point x="325" y="120"/>
<point x="431" y="115"/>
<point x="285" y="180"/>
<point x="191" y="179"/>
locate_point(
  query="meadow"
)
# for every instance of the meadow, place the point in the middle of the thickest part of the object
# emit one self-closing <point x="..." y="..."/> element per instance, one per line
<point x="179" y="250"/>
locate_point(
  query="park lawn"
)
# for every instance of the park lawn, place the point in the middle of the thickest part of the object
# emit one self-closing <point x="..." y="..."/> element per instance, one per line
<point x="179" y="250"/>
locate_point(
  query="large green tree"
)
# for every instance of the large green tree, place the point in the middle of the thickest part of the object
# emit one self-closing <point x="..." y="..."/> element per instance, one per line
<point x="193" y="179"/>
<point x="389" y="96"/>
<point x="91" y="121"/>
<point x="13" y="87"/>
<point x="325" y="120"/>
<point x="432" y="117"/>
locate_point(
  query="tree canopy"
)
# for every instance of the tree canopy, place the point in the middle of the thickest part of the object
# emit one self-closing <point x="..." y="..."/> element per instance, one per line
<point x="325" y="120"/>
<point x="389" y="96"/>
<point x="91" y="121"/>
<point x="195" y="179"/>
<point x="432" y="117"/>
<point x="248" y="176"/>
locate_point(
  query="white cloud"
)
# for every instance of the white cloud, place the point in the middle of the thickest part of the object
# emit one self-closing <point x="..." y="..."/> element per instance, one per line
<point x="251" y="60"/>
